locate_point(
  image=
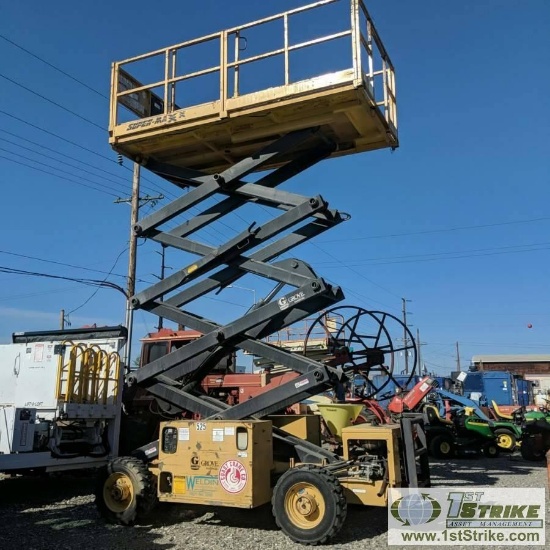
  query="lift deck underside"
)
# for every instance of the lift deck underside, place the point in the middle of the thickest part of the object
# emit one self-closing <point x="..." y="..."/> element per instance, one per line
<point x="354" y="107"/>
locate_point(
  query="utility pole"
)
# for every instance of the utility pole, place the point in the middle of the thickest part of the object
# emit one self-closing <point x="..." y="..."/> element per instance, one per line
<point x="136" y="202"/>
<point x="405" y="335"/>
<point x="131" y="281"/>
<point x="457" y="357"/>
<point x="62" y="319"/>
<point x="419" y="345"/>
<point x="162" y="270"/>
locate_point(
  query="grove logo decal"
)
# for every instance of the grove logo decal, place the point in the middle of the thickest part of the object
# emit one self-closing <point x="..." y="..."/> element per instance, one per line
<point x="416" y="509"/>
<point x="283" y="303"/>
<point x="233" y="476"/>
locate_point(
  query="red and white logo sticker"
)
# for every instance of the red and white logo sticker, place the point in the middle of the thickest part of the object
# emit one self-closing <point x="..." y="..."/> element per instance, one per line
<point x="233" y="476"/>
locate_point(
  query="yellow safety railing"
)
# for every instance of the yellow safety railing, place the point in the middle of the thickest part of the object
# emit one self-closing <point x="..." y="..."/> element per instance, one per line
<point x="90" y="375"/>
<point x="370" y="63"/>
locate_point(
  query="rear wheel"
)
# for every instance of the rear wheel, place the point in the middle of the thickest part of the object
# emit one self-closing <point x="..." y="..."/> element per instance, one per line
<point x="309" y="504"/>
<point x="125" y="491"/>
<point x="506" y="440"/>
<point x="442" y="446"/>
<point x="491" y="450"/>
<point x="530" y="450"/>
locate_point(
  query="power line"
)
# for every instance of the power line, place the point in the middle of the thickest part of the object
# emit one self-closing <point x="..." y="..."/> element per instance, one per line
<point x="58" y="136"/>
<point x="58" y="176"/>
<point x="64" y="154"/>
<point x="62" y="162"/>
<point x="55" y="262"/>
<point x="32" y="294"/>
<point x="347" y="266"/>
<point x="75" y="144"/>
<point x="99" y="286"/>
<point x="88" y="282"/>
<point x="428" y="257"/>
<point x="72" y="78"/>
<point x="58" y="169"/>
<point x="52" y="102"/>
<point x="53" y="66"/>
<point x="57" y="152"/>
<point x="444" y="230"/>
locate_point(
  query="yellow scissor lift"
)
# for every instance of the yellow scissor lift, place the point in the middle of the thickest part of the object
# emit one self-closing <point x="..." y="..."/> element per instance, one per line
<point x="204" y="114"/>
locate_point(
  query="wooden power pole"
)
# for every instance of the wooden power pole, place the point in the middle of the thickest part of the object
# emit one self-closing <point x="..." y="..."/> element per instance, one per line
<point x="131" y="282"/>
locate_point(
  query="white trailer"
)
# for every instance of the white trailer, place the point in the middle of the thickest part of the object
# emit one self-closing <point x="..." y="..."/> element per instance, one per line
<point x="60" y="399"/>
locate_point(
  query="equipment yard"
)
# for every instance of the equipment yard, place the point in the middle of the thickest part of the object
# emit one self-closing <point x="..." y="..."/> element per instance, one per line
<point x="61" y="514"/>
<point x="302" y="418"/>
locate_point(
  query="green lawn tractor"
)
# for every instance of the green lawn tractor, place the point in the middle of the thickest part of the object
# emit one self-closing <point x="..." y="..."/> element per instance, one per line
<point x="464" y="435"/>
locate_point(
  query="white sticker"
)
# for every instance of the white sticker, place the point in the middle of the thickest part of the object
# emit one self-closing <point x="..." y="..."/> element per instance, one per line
<point x="359" y="491"/>
<point x="424" y="387"/>
<point x="217" y="434"/>
<point x="183" y="434"/>
<point x="151" y="451"/>
<point x="200" y="426"/>
<point x="39" y="353"/>
<point x="230" y="430"/>
<point x="302" y="383"/>
<point x="242" y="454"/>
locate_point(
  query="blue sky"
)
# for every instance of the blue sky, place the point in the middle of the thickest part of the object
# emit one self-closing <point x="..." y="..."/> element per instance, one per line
<point x="456" y="219"/>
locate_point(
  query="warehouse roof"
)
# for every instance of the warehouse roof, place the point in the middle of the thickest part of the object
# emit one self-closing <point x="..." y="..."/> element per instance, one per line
<point x="529" y="358"/>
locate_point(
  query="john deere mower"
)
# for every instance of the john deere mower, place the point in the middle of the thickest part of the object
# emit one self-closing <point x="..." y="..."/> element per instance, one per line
<point x="461" y="436"/>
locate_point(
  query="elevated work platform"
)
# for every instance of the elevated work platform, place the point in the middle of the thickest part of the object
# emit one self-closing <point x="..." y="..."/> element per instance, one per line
<point x="212" y="117"/>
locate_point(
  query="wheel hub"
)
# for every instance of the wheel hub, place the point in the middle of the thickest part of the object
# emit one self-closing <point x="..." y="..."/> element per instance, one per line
<point x="306" y="505"/>
<point x="505" y="441"/>
<point x="118" y="492"/>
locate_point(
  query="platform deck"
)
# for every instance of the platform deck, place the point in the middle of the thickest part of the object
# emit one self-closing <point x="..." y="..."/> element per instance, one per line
<point x="354" y="107"/>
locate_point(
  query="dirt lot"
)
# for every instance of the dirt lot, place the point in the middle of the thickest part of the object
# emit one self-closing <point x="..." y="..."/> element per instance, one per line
<point x="58" y="512"/>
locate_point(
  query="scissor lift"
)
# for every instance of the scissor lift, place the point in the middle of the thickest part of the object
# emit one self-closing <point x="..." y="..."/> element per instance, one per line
<point x="210" y="149"/>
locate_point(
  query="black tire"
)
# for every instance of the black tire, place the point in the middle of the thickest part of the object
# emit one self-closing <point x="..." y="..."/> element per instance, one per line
<point x="530" y="451"/>
<point x="125" y="491"/>
<point x="442" y="446"/>
<point x="309" y="505"/>
<point x="506" y="439"/>
<point x="491" y="450"/>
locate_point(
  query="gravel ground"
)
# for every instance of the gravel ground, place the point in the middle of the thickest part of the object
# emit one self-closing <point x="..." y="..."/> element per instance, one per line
<point x="58" y="512"/>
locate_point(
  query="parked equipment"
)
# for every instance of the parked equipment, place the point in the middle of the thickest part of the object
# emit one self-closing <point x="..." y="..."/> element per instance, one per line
<point x="462" y="435"/>
<point x="507" y="431"/>
<point x="60" y="399"/>
<point x="536" y="439"/>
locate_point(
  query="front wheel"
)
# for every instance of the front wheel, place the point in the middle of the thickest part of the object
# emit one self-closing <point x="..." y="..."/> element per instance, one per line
<point x="309" y="505"/>
<point x="125" y="491"/>
<point x="442" y="446"/>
